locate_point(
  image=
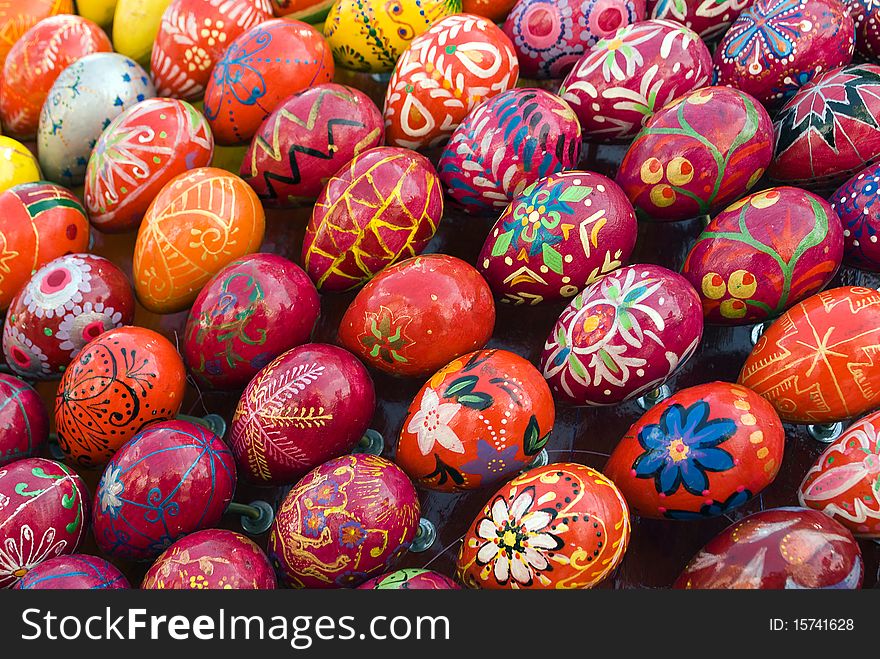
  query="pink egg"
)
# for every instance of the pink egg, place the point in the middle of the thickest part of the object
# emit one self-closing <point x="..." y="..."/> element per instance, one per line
<point x="74" y="572"/>
<point x="24" y="421"/>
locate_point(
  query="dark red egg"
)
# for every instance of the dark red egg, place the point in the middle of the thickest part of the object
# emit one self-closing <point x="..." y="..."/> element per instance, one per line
<point x="24" y="421"/>
<point x="74" y="572"/>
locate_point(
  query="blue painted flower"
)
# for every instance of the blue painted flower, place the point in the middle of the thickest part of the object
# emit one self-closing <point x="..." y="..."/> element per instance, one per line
<point x="324" y="493"/>
<point x="492" y="463"/>
<point x="768" y="29"/>
<point x="714" y="509"/>
<point x="314" y="523"/>
<point x="683" y="447"/>
<point x="352" y="534"/>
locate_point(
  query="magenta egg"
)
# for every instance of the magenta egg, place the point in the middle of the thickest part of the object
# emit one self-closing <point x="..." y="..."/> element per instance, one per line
<point x="211" y="559"/>
<point x="24" y="421"/>
<point x="256" y="308"/>
<point x="348" y="520"/>
<point x="74" y="572"/>
<point x="65" y="304"/>
<point x="708" y="18"/>
<point x="307" y="139"/>
<point x="866" y="16"/>
<point x="410" y="579"/>
<point x="698" y="154"/>
<point x="854" y="203"/>
<point x="173" y="478"/>
<point x="44" y="512"/>
<point x="621" y="81"/>
<point x="777" y="46"/>
<point x="622" y="336"/>
<point x="549" y="36"/>
<point x="562" y="233"/>
<point x="310" y="404"/>
<point x="764" y="254"/>
<point x="507" y="143"/>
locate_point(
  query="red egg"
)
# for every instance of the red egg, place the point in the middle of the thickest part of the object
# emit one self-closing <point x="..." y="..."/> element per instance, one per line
<point x="781" y="548"/>
<point x="66" y="304"/>
<point x="865" y="14"/>
<point x="24" y="422"/>
<point x="476" y="423"/>
<point x="416" y="316"/>
<point x="171" y="479"/>
<point x="44" y="509"/>
<point x="211" y="559"/>
<point x="309" y="405"/>
<point x="348" y="520"/>
<point x="256" y="308"/>
<point x="703" y="452"/>
<point x="35" y="61"/>
<point x="261" y="68"/>
<point x="74" y="572"/>
<point x="410" y="579"/>
<point x="18" y="17"/>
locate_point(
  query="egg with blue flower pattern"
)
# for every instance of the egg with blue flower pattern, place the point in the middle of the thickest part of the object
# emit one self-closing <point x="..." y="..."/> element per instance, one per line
<point x="855" y="202"/>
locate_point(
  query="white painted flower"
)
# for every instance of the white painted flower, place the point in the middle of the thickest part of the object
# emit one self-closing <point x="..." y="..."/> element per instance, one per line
<point x="110" y="491"/>
<point x="84" y="323"/>
<point x="23" y="356"/>
<point x="431" y="424"/>
<point x="19" y="556"/>
<point x="516" y="538"/>
<point x="58" y="286"/>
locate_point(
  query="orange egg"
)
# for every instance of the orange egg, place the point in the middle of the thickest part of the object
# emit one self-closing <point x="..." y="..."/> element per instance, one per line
<point x="18" y="16"/>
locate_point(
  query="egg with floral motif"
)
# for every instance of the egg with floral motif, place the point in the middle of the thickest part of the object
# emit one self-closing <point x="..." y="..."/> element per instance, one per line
<point x="410" y="578"/>
<point x="24" y="422"/>
<point x="763" y="254"/>
<point x="306" y="140"/>
<point x="192" y="37"/>
<point x="16" y="18"/>
<point x="214" y="559"/>
<point x="384" y="206"/>
<point x="830" y="129"/>
<point x="855" y="203"/>
<point x="346" y="521"/>
<point x="261" y="68"/>
<point x="561" y="234"/>
<point x="74" y="572"/>
<point x="169" y="480"/>
<point x="550" y="36"/>
<point x="702" y="452"/>
<point x="45" y="508"/>
<point x="476" y="423"/>
<point x="507" y="143"/>
<point x="36" y="60"/>
<point x="866" y="16"/>
<point x="622" y="80"/>
<point x="708" y="18"/>
<point x="622" y="336"/>
<point x="697" y="155"/>
<point x="66" y="304"/>
<point x="561" y="526"/>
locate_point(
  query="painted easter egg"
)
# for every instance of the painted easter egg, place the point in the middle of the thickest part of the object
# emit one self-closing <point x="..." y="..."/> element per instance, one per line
<point x="830" y="129"/>
<point x="309" y="11"/>
<point x="66" y="304"/>
<point x="201" y="221"/>
<point x="137" y="154"/>
<point x="702" y="452"/>
<point x="192" y="37"/>
<point x="708" y="18"/>
<point x="99" y="11"/>
<point x="309" y="405"/>
<point x="418" y="315"/>
<point x="625" y="78"/>
<point x="74" y="572"/>
<point x="854" y="203"/>
<point x="16" y="18"/>
<point x="410" y="578"/>
<point x="306" y="140"/>
<point x="697" y="155"/>
<point x="262" y="67"/>
<point x="34" y="63"/>
<point x="17" y="164"/>
<point x="83" y="100"/>
<point x="622" y="336"/>
<point x="369" y="35"/>
<point x="866" y="16"/>
<point x="550" y="36"/>
<point x="776" y="46"/>
<point x="506" y="144"/>
<point x="135" y="26"/>
<point x="561" y="234"/>
<point x="560" y="526"/>
<point x="253" y="310"/>
<point x="443" y="75"/>
<point x="383" y="207"/>
<point x="476" y="423"/>
<point x="120" y="382"/>
<point x="814" y="363"/>
<point x="211" y="559"/>
<point x="496" y="10"/>
<point x="45" y="511"/>
<point x="776" y="549"/>
<point x="763" y="254"/>
<point x="38" y="222"/>
<point x="843" y="482"/>
<point x="171" y="479"/>
<point x="24" y="422"/>
<point x="348" y="520"/>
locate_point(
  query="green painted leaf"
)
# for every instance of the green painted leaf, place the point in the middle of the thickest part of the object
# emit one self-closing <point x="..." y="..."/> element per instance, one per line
<point x="577" y="368"/>
<point x="575" y="193"/>
<point x="477" y="400"/>
<point x="503" y="242"/>
<point x="532" y="440"/>
<point x="461" y="386"/>
<point x="552" y="259"/>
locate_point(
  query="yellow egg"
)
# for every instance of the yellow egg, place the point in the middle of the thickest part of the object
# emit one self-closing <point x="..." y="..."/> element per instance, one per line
<point x="99" y="11"/>
<point x="17" y="164"/>
<point x="135" y="25"/>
